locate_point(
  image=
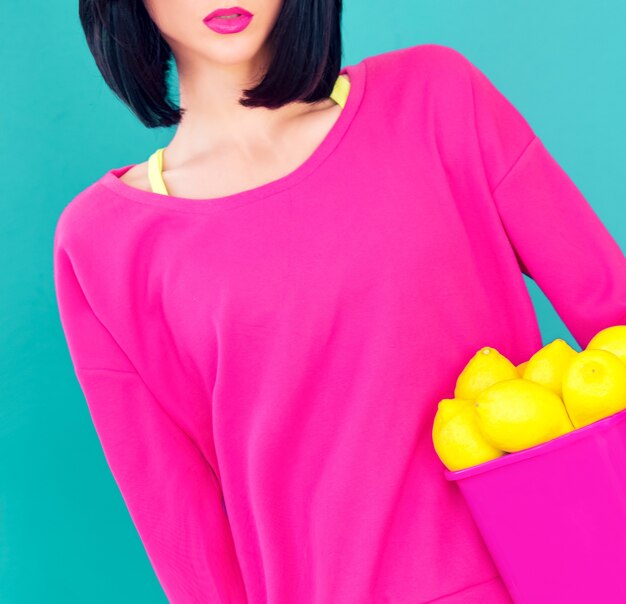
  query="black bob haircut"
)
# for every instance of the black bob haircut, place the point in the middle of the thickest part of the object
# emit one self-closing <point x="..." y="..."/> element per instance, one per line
<point x="135" y="60"/>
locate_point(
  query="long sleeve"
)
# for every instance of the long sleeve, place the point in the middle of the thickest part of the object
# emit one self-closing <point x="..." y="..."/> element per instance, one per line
<point x="170" y="490"/>
<point x="559" y="240"/>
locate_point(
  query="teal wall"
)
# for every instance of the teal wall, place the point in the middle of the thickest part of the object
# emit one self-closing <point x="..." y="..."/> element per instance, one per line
<point x="65" y="535"/>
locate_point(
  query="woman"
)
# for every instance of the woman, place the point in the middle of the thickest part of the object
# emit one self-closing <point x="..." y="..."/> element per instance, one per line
<point x="264" y="315"/>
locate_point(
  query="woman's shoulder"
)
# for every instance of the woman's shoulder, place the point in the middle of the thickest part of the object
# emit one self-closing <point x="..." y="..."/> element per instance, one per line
<point x="422" y="75"/>
<point x="92" y="208"/>
<point x="423" y="81"/>
<point x="429" y="60"/>
<point x="137" y="177"/>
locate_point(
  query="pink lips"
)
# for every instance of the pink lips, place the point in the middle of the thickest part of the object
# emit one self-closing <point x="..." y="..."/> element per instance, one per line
<point x="228" y="25"/>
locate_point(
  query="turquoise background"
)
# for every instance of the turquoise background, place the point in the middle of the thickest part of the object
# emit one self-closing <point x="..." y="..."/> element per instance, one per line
<point x="65" y="534"/>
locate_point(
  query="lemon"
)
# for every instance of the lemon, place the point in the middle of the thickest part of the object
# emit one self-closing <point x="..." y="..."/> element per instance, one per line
<point x="612" y="339"/>
<point x="546" y="366"/>
<point x="456" y="437"/>
<point x="448" y="407"/>
<point x="521" y="367"/>
<point x="594" y="386"/>
<point x="485" y="368"/>
<point x="517" y="414"/>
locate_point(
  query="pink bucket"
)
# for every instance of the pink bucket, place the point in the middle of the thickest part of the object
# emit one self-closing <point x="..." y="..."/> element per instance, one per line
<point x="554" y="516"/>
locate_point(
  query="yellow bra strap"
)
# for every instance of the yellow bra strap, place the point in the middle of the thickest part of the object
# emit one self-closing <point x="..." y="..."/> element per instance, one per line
<point x="155" y="161"/>
<point x="340" y="90"/>
<point x="155" y="172"/>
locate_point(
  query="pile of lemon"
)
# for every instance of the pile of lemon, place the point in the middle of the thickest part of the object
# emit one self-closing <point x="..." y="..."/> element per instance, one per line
<point x="500" y="408"/>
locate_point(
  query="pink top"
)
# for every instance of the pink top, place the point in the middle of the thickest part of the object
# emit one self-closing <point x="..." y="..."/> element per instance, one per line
<point x="263" y="369"/>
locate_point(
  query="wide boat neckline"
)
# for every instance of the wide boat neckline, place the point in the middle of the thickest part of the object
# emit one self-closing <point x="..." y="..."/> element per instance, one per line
<point x="357" y="75"/>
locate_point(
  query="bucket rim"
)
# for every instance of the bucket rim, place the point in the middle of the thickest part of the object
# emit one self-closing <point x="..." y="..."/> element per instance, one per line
<point x="564" y="440"/>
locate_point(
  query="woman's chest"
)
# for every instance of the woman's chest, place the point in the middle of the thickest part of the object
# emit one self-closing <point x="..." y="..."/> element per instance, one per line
<point x="343" y="257"/>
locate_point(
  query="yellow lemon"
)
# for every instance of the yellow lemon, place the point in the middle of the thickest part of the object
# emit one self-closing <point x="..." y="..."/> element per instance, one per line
<point x="521" y="367"/>
<point x="485" y="368"/>
<point x="612" y="339"/>
<point x="546" y="366"/>
<point x="447" y="407"/>
<point x="517" y="414"/>
<point x="456" y="437"/>
<point x="594" y="386"/>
